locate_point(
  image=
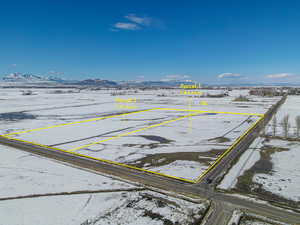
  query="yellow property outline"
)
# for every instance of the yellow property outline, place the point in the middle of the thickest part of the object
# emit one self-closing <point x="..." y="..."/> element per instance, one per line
<point x="76" y="122"/>
<point x="134" y="131"/>
<point x="196" y="112"/>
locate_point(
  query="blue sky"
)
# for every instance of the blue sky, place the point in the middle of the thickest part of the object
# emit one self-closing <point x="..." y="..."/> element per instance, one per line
<point x="207" y="41"/>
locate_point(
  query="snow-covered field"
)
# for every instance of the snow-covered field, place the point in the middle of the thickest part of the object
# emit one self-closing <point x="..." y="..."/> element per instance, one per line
<point x="290" y="108"/>
<point x="23" y="176"/>
<point x="253" y="222"/>
<point x="245" y="162"/>
<point x="182" y="148"/>
<point x="284" y="179"/>
<point x="253" y="219"/>
<point x="123" y="208"/>
<point x="267" y="168"/>
<point x="186" y="136"/>
<point x="46" y="102"/>
<point x="270" y="167"/>
<point x="22" y="173"/>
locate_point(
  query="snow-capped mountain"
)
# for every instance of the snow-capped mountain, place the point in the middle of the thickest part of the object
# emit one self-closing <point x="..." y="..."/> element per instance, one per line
<point x="31" y="79"/>
<point x="26" y="78"/>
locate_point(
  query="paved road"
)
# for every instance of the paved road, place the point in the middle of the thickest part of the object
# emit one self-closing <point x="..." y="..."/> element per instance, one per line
<point x="157" y="181"/>
<point x="220" y="215"/>
<point x="215" y="174"/>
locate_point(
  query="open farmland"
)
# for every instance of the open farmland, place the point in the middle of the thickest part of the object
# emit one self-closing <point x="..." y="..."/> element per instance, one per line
<point x="41" y="191"/>
<point x="123" y="208"/>
<point x="174" y="135"/>
<point x="270" y="167"/>
<point x="291" y="108"/>
<point x="160" y="131"/>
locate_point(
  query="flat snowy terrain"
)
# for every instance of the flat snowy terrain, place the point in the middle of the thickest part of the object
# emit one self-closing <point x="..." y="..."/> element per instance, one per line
<point x="36" y="190"/>
<point x="270" y="167"/>
<point x="284" y="178"/>
<point x="245" y="162"/>
<point x="253" y="222"/>
<point x="184" y="147"/>
<point x="42" y="191"/>
<point x="290" y="108"/>
<point x="22" y="173"/>
<point x="123" y="208"/>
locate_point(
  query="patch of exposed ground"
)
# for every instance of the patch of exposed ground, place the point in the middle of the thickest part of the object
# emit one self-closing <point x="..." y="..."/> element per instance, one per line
<point x="149" y="146"/>
<point x="16" y="116"/>
<point x="290" y="139"/>
<point x="153" y="208"/>
<point x="219" y="140"/>
<point x="152" y="119"/>
<point x="247" y="220"/>
<point x="160" y="139"/>
<point x="243" y="106"/>
<point x="246" y="184"/>
<point x="162" y="159"/>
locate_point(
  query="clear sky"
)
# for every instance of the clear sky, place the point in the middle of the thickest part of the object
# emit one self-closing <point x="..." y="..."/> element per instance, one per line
<point x="211" y="40"/>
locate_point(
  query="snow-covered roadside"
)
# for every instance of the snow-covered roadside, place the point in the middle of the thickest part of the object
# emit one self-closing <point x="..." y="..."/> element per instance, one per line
<point x="245" y="162"/>
<point x="290" y="108"/>
<point x="284" y="180"/>
<point x="181" y="168"/>
<point x="235" y="218"/>
<point x="22" y="173"/>
<point x="25" y="174"/>
<point x="254" y="219"/>
<point x="123" y="208"/>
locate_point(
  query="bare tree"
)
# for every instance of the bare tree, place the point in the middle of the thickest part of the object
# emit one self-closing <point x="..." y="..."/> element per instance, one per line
<point x="285" y="125"/>
<point x="298" y="126"/>
<point x="274" y="125"/>
<point x="263" y="129"/>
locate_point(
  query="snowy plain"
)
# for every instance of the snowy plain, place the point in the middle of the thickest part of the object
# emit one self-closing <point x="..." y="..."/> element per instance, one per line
<point x="198" y="134"/>
<point x="23" y="174"/>
<point x="123" y="208"/>
<point x="284" y="180"/>
<point x="290" y="108"/>
<point x="281" y="175"/>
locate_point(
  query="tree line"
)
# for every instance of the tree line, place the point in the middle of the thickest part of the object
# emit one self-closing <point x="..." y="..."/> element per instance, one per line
<point x="286" y="126"/>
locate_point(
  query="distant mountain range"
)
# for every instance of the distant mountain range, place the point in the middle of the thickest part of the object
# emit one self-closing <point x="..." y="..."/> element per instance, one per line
<point x="29" y="78"/>
<point x="173" y="83"/>
<point x="19" y="78"/>
<point x="97" y="82"/>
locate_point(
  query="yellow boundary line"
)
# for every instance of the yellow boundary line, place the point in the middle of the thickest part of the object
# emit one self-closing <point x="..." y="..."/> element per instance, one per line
<point x="237" y="141"/>
<point x="122" y="114"/>
<point x="101" y="160"/>
<point x="76" y="122"/>
<point x="195" y="110"/>
<point x="132" y="132"/>
<point x="197" y="180"/>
